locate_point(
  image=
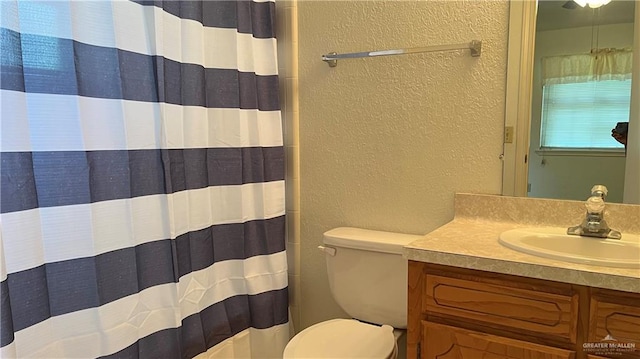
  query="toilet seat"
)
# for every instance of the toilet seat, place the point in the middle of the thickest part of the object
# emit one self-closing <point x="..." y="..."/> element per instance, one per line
<point x="342" y="338"/>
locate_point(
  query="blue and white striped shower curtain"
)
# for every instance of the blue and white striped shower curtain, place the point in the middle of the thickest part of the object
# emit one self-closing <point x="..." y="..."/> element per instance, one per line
<point x="142" y="180"/>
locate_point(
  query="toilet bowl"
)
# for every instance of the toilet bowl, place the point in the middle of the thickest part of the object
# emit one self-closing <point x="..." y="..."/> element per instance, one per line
<point x="343" y="338"/>
<point x="368" y="279"/>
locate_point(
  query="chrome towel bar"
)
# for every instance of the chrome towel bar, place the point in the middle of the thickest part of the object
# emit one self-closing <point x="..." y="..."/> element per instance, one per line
<point x="475" y="46"/>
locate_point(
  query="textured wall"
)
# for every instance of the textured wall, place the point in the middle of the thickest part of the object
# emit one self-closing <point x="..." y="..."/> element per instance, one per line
<point x="386" y="142"/>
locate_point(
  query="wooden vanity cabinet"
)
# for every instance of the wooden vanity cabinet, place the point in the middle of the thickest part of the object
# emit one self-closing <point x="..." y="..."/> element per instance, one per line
<point x="469" y="314"/>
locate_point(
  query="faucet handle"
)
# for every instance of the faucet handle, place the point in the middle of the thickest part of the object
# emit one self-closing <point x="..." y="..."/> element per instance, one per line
<point x="599" y="190"/>
<point x="595" y="204"/>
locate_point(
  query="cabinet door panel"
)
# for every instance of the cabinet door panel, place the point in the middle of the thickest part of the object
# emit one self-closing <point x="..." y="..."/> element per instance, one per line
<point x="621" y="322"/>
<point x="446" y="342"/>
<point x="504" y="305"/>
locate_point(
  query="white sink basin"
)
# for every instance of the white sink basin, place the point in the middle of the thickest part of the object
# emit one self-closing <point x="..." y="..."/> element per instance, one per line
<point x="554" y="243"/>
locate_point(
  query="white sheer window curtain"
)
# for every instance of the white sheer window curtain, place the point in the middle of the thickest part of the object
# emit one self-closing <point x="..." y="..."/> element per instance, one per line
<point x="584" y="96"/>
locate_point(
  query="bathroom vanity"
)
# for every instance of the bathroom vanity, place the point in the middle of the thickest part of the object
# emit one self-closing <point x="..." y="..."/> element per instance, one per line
<point x="462" y="313"/>
<point x="470" y="297"/>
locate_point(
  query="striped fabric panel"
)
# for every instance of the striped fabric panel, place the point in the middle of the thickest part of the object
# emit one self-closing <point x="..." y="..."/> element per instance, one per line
<point x="268" y="342"/>
<point x="95" y="124"/>
<point x="128" y="322"/>
<point x="183" y="84"/>
<point x="119" y="271"/>
<point x="179" y="39"/>
<point x="226" y="14"/>
<point x="142" y="199"/>
<point x="46" y="179"/>
<point x="63" y="233"/>
<point x="161" y="344"/>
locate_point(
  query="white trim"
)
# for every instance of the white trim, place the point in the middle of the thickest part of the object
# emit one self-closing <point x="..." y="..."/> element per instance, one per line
<point x="522" y="23"/>
<point x="588" y="152"/>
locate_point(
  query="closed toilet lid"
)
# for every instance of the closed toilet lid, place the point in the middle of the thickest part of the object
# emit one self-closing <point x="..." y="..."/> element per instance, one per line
<point x="342" y="338"/>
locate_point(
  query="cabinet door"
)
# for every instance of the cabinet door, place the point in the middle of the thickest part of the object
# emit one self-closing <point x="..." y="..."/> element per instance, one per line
<point x="446" y="342"/>
<point x="616" y="320"/>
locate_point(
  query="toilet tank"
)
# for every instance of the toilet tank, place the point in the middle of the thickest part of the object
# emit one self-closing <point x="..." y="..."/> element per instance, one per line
<point x="368" y="275"/>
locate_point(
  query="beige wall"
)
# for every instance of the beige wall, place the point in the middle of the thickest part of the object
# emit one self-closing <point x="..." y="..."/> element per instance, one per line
<point x="386" y="142"/>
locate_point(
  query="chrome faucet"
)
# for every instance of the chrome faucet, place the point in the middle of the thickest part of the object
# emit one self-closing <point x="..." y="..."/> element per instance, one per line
<point x="594" y="224"/>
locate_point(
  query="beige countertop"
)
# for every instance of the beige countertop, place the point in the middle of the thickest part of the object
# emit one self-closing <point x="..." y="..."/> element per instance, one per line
<point x="470" y="240"/>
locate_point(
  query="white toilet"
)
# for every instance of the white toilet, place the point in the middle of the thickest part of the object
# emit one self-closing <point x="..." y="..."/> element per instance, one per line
<point x="368" y="279"/>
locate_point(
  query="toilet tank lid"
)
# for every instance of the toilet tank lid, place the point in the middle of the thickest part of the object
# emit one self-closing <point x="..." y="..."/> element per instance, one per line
<point x="366" y="239"/>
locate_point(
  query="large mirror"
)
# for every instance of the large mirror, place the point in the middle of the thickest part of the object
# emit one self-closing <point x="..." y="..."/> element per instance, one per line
<point x="569" y="83"/>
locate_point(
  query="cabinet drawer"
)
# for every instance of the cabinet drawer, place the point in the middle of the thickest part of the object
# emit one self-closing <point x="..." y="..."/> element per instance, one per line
<point x="620" y="320"/>
<point x="504" y="305"/>
<point x="446" y="342"/>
